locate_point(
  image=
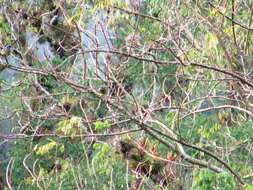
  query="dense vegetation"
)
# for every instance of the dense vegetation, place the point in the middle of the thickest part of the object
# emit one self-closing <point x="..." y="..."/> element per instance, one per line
<point x="114" y="94"/>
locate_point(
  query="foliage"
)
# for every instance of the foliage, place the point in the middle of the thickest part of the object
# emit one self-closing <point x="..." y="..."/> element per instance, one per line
<point x="145" y="94"/>
<point x="100" y="125"/>
<point x="70" y="127"/>
<point x="45" y="148"/>
<point x="207" y="180"/>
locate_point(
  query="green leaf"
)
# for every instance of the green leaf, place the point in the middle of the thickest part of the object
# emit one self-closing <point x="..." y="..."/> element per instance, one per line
<point x="45" y="149"/>
<point x="69" y="126"/>
<point x="248" y="187"/>
<point x="101" y="125"/>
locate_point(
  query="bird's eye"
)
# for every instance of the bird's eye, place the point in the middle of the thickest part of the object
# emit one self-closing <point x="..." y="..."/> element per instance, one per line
<point x="8" y="47"/>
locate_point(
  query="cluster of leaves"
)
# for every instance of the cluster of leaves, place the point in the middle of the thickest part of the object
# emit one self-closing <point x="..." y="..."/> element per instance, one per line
<point x="207" y="180"/>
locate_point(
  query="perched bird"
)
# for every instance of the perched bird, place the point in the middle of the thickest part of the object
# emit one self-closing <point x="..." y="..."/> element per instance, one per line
<point x="52" y="24"/>
<point x="8" y="50"/>
<point x="5" y="52"/>
<point x="62" y="34"/>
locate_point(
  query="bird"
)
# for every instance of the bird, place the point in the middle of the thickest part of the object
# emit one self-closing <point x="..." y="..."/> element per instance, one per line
<point x="52" y="23"/>
<point x="5" y="52"/>
<point x="62" y="34"/>
<point x="8" y="50"/>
